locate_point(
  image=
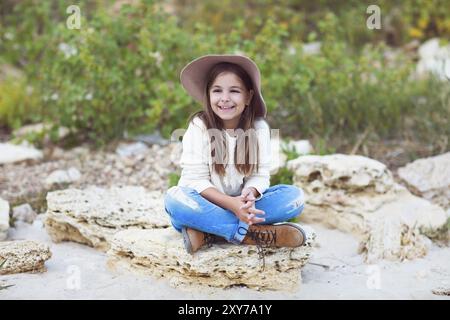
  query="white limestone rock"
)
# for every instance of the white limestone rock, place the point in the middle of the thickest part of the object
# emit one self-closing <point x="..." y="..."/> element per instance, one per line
<point x="358" y="195"/>
<point x="63" y="176"/>
<point x="91" y="216"/>
<point x="161" y="253"/>
<point x="11" y="153"/>
<point x="434" y="59"/>
<point x="23" y="256"/>
<point x="152" y="139"/>
<point x="24" y="213"/>
<point x="298" y="146"/>
<point x="4" y="219"/>
<point x="131" y="149"/>
<point x="429" y="178"/>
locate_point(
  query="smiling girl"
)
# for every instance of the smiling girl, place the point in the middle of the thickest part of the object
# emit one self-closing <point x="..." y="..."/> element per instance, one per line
<point x="224" y="192"/>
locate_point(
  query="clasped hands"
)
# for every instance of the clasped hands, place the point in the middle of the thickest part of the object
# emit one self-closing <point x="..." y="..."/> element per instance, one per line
<point x="245" y="209"/>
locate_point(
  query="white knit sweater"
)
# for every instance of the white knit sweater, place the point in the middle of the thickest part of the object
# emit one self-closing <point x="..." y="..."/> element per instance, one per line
<point x="196" y="162"/>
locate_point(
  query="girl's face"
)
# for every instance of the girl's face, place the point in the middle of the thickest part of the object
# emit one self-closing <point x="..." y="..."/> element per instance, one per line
<point x="228" y="98"/>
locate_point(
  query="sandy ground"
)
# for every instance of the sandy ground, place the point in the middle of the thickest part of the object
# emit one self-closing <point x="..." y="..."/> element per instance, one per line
<point x="79" y="272"/>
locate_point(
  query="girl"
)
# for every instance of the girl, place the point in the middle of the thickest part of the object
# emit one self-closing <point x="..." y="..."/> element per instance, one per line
<point x="223" y="193"/>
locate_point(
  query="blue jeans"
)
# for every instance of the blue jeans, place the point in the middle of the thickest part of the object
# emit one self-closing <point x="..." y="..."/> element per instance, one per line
<point x="187" y="208"/>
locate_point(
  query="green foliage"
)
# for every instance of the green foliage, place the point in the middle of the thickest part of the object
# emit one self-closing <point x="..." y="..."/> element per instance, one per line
<point x="117" y="74"/>
<point x="440" y="235"/>
<point x="18" y="103"/>
<point x="173" y="179"/>
<point x="322" y="148"/>
<point x="120" y="72"/>
<point x="424" y="19"/>
<point x="401" y="21"/>
<point x="27" y="27"/>
<point x="290" y="153"/>
<point x="283" y="176"/>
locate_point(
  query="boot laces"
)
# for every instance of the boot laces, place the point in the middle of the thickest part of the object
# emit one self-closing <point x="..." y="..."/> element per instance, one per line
<point x="209" y="239"/>
<point x="263" y="240"/>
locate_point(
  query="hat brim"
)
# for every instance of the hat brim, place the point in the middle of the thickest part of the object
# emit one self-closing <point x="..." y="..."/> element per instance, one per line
<point x="192" y="77"/>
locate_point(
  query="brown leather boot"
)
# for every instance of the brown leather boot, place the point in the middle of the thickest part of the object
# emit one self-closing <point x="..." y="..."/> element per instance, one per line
<point x="284" y="234"/>
<point x="195" y="239"/>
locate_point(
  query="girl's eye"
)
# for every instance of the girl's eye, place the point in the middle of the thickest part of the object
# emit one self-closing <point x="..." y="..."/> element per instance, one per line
<point x="218" y="90"/>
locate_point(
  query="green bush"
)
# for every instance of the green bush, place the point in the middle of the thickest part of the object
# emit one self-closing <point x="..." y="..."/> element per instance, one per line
<point x="119" y="73"/>
<point x="283" y="176"/>
<point x="18" y="103"/>
<point x="25" y="29"/>
<point x="290" y="153"/>
<point x="173" y="179"/>
<point x="129" y="71"/>
<point x="401" y="21"/>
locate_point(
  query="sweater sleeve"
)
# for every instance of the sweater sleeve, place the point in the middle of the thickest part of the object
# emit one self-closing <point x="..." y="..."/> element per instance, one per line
<point x="260" y="180"/>
<point x="195" y="171"/>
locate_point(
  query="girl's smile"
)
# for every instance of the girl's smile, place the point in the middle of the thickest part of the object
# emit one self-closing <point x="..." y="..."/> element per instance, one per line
<point x="228" y="98"/>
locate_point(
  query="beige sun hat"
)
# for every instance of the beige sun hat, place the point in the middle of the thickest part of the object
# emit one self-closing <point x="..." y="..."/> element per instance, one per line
<point x="193" y="75"/>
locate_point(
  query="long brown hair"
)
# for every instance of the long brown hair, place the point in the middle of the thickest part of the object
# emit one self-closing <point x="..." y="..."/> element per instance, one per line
<point x="246" y="137"/>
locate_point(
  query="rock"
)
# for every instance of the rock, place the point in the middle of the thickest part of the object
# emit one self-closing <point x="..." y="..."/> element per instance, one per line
<point x="4" y="219"/>
<point x="300" y="146"/>
<point x="156" y="148"/>
<point x="80" y="151"/>
<point x="152" y="139"/>
<point x="129" y="150"/>
<point x="23" y="256"/>
<point x="24" y="182"/>
<point x="441" y="291"/>
<point x="160" y="253"/>
<point x="434" y="59"/>
<point x="429" y="178"/>
<point x="24" y="213"/>
<point x="63" y="176"/>
<point x="55" y="153"/>
<point x="358" y="195"/>
<point x="11" y="153"/>
<point x="92" y="216"/>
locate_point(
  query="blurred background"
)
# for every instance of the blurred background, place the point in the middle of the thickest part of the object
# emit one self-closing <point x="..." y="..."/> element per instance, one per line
<point x="326" y="76"/>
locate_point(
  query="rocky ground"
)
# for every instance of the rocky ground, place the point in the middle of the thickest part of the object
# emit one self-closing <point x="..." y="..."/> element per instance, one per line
<point x="29" y="181"/>
<point x="336" y="269"/>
